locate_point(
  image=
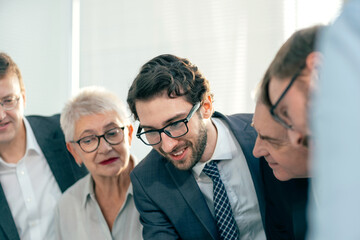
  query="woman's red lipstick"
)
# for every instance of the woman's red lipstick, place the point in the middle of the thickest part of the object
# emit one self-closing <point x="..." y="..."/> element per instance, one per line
<point x="108" y="161"/>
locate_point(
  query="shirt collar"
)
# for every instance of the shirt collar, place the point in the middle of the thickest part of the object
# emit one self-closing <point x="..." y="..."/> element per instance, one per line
<point x="222" y="149"/>
<point x="31" y="144"/>
<point x="88" y="191"/>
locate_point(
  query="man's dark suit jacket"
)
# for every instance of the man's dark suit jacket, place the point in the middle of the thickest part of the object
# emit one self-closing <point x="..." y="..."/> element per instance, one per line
<point x="52" y="143"/>
<point x="169" y="200"/>
<point x="286" y="206"/>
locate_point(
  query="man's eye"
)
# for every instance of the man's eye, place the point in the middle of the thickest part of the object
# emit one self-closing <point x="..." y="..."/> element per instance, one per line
<point x="8" y="101"/>
<point x="275" y="145"/>
<point x="284" y="112"/>
<point x="151" y="133"/>
<point x="176" y="125"/>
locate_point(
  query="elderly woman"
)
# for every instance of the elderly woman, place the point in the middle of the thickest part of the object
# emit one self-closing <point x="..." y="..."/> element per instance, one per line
<point x="98" y="135"/>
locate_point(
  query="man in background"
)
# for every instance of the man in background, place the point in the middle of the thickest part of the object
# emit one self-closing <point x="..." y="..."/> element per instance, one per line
<point x="35" y="167"/>
<point x="287" y="162"/>
<point x="284" y="93"/>
<point x="289" y="80"/>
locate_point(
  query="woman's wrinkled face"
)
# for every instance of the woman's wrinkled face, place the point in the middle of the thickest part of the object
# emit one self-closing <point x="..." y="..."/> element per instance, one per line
<point x="108" y="160"/>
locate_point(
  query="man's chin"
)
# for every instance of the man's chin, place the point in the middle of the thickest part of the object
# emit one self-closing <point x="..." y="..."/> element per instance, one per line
<point x="181" y="165"/>
<point x="186" y="162"/>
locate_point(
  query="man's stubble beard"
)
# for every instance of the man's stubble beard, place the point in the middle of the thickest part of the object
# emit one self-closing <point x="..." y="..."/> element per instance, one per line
<point x="197" y="151"/>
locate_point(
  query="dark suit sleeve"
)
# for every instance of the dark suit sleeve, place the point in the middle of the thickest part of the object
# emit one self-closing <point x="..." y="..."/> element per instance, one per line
<point x="156" y="224"/>
<point x="278" y="211"/>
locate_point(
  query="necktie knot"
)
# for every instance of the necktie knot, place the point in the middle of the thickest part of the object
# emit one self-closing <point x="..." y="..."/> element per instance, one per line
<point x="212" y="171"/>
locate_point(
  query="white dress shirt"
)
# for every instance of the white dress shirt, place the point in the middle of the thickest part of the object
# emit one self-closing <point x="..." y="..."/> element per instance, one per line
<point x="235" y="175"/>
<point x="31" y="191"/>
<point x="78" y="216"/>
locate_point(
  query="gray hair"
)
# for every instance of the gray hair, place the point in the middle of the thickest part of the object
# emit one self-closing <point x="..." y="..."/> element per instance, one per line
<point x="90" y="100"/>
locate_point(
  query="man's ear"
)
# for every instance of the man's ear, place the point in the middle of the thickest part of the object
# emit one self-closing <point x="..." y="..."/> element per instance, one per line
<point x="314" y="60"/>
<point x="207" y="108"/>
<point x="72" y="150"/>
<point x="296" y="138"/>
<point x="24" y="97"/>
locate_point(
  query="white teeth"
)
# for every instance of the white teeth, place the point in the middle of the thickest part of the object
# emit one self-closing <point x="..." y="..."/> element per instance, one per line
<point x="178" y="153"/>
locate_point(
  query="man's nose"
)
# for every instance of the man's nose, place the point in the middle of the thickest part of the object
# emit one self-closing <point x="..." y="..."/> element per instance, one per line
<point x="259" y="149"/>
<point x="2" y="113"/>
<point x="297" y="138"/>
<point x="168" y="143"/>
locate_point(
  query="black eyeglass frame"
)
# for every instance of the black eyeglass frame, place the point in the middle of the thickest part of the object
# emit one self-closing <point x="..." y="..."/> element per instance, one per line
<point x="185" y="120"/>
<point x="99" y="137"/>
<point x="275" y="116"/>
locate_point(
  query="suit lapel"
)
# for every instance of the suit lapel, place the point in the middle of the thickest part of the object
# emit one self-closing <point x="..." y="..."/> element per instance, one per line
<point x="57" y="158"/>
<point x="188" y="187"/>
<point x="51" y="141"/>
<point x="7" y="223"/>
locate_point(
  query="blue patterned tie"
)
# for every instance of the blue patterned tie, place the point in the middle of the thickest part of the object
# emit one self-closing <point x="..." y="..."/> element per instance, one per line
<point x="223" y="213"/>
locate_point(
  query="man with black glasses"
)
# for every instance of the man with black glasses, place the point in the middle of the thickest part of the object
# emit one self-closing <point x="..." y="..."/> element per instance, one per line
<point x="35" y="167"/>
<point x="201" y="180"/>
<point x="289" y="80"/>
<point x="285" y="92"/>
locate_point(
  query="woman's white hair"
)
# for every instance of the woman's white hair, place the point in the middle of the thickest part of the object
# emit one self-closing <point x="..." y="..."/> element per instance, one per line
<point x="90" y="100"/>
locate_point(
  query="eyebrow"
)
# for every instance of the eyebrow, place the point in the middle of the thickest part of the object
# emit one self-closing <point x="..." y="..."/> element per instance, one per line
<point x="268" y="138"/>
<point x="92" y="132"/>
<point x="264" y="137"/>
<point x="167" y="122"/>
<point x="9" y="95"/>
<point x="86" y="131"/>
<point x="111" y="124"/>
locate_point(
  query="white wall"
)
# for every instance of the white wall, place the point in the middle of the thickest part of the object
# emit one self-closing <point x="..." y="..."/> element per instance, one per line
<point x="227" y="40"/>
<point x="232" y="42"/>
<point x="37" y="35"/>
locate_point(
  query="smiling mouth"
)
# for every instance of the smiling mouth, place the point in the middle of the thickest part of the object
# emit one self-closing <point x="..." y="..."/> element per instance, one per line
<point x="4" y="124"/>
<point x="178" y="154"/>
